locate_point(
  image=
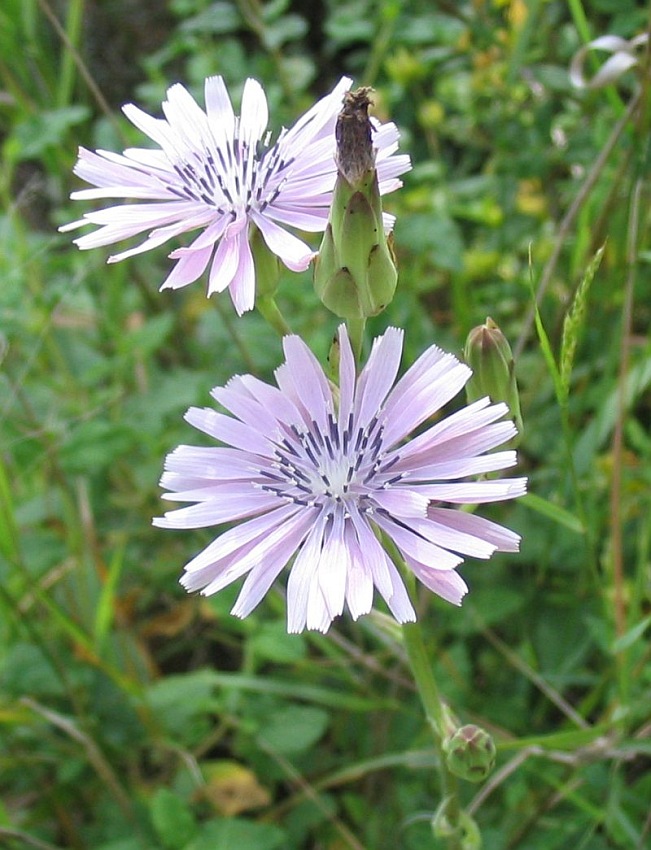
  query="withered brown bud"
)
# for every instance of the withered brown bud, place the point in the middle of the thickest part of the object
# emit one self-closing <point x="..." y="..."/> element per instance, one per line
<point x="353" y="133"/>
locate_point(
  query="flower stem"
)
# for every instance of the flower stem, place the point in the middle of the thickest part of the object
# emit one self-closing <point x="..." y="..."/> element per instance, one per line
<point x="356" y="334"/>
<point x="270" y="312"/>
<point x="439" y="723"/>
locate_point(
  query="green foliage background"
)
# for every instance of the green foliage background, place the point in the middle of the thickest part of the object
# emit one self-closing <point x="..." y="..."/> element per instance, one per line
<point x="133" y="717"/>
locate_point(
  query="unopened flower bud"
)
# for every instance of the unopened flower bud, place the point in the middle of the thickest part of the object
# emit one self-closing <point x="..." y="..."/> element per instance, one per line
<point x="355" y="274"/>
<point x="470" y="753"/>
<point x="489" y="355"/>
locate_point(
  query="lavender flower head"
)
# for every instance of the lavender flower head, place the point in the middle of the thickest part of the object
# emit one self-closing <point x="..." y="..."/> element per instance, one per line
<point x="319" y="477"/>
<point x="218" y="173"/>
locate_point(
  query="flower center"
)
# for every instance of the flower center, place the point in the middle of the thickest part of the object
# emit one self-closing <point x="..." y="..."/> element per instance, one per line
<point x="325" y="467"/>
<point x="234" y="177"/>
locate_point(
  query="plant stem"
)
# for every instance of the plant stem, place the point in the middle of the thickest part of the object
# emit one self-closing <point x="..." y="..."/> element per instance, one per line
<point x="438" y="720"/>
<point x="270" y="311"/>
<point x="356" y="334"/>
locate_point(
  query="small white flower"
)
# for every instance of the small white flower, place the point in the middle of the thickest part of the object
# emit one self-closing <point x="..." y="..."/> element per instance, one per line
<point x="625" y="55"/>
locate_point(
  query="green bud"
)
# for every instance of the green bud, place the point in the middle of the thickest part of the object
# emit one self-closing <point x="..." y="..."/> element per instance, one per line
<point x="470" y="753"/>
<point x="355" y="274"/>
<point x="267" y="265"/>
<point x="488" y="354"/>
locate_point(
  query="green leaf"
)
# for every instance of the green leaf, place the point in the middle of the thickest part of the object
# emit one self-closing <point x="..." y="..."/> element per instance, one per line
<point x="436" y="235"/>
<point x="294" y="729"/>
<point x="46" y="129"/>
<point x="271" y="642"/>
<point x="632" y="635"/>
<point x="218" y="19"/>
<point x="172" y="819"/>
<point x="288" y="28"/>
<point x="237" y="834"/>
<point x="554" y="512"/>
<point x="179" y="700"/>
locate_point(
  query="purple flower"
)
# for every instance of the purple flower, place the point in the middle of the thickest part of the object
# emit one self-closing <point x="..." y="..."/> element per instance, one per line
<point x="320" y="476"/>
<point x="218" y="173"/>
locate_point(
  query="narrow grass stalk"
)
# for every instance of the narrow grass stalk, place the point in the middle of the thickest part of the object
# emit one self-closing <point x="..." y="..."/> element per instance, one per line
<point x="567" y="222"/>
<point x="74" y="19"/>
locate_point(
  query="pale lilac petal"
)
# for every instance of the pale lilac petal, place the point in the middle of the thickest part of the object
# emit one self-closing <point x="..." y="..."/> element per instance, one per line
<point x="475" y="492"/>
<point x="242" y="288"/>
<point x="227" y="430"/>
<point x="294" y="253"/>
<point x="219" y="110"/>
<point x="346" y="379"/>
<point x="417" y="547"/>
<point x="247" y="409"/>
<point x="401" y="502"/>
<point x="378" y="375"/>
<point x="320" y="119"/>
<point x="458" y="467"/>
<point x="314" y="220"/>
<point x="430" y="383"/>
<point x="157" y="237"/>
<point x="255" y="113"/>
<point x="318" y="615"/>
<point x="444" y="435"/>
<point x="208" y="463"/>
<point x="397" y="598"/>
<point x="239" y="539"/>
<point x="188" y="269"/>
<point x="257" y="584"/>
<point x="359" y="578"/>
<point x="448" y="585"/>
<point x="157" y="129"/>
<point x="448" y="537"/>
<point x="186" y="117"/>
<point x="302" y="576"/>
<point x="224" y="265"/>
<point x="305" y="380"/>
<point x="334" y="565"/>
<point x="502" y="539"/>
<point x="229" y="508"/>
<point x="206" y="239"/>
<point x="279" y="544"/>
<point x="284" y="410"/>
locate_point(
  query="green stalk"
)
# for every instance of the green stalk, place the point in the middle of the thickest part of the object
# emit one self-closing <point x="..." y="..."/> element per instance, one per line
<point x="271" y="313"/>
<point x="356" y="335"/>
<point x="437" y="718"/>
<point x="455" y="828"/>
<point x="74" y="19"/>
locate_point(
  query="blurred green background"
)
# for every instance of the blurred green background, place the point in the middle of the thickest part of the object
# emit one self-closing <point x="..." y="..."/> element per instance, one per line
<point x="135" y="717"/>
